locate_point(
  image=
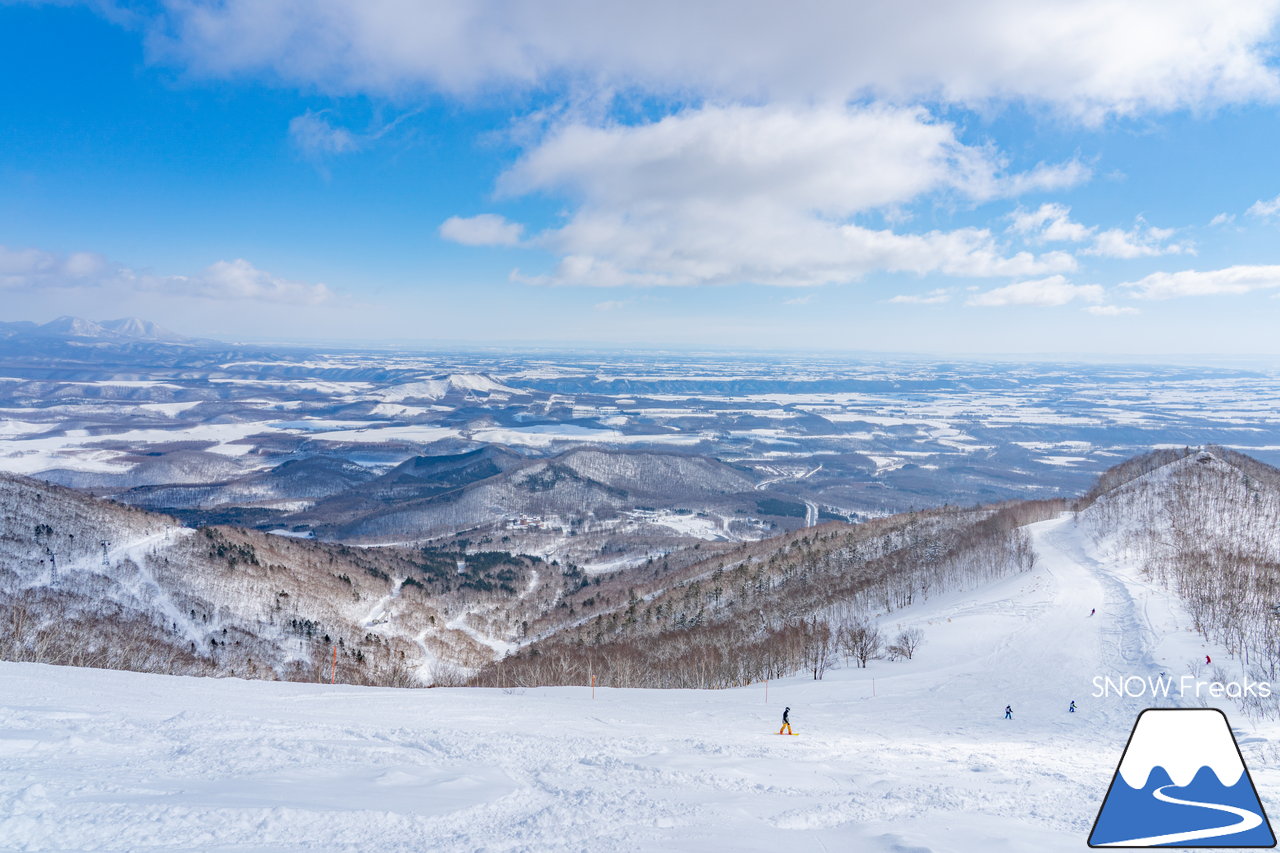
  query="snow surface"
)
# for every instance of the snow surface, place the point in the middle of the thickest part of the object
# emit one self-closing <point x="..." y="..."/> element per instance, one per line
<point x="909" y="757"/>
<point x="434" y="389"/>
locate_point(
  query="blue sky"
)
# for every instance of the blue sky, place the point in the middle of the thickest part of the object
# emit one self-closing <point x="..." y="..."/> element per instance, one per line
<point x="1002" y="177"/>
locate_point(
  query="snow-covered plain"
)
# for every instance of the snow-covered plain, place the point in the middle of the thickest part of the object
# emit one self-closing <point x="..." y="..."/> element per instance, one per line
<point x="909" y="757"/>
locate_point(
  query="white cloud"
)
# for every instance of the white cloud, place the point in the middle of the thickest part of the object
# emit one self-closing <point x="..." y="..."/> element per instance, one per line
<point x="239" y="280"/>
<point x="612" y="305"/>
<point x="1050" y="223"/>
<point x="32" y="269"/>
<point x="1141" y="241"/>
<point x="1264" y="209"/>
<point x="1111" y="310"/>
<point x="1222" y="219"/>
<point x="1231" y="280"/>
<point x="1091" y="57"/>
<point x="1044" y="293"/>
<point x="486" y="229"/>
<point x="799" y="300"/>
<point x="765" y="247"/>
<point x="832" y="160"/>
<point x="317" y="138"/>
<point x="933" y="297"/>
<point x="721" y="195"/>
<point x="21" y="268"/>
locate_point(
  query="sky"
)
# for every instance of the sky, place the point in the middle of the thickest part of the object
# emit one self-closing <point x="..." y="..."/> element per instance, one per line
<point x="1000" y="176"/>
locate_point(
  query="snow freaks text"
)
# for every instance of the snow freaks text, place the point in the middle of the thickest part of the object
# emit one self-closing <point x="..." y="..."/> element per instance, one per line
<point x="1186" y="686"/>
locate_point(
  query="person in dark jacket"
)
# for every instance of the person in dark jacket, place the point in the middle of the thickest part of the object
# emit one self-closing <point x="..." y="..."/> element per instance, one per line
<point x="1072" y="708"/>
<point x="1008" y="712"/>
<point x="786" y="722"/>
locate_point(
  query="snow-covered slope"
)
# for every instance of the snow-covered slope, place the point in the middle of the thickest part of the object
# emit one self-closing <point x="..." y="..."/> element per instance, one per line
<point x="88" y="581"/>
<point x="1205" y="524"/>
<point x="441" y="386"/>
<point x="905" y="756"/>
<point x="436" y="498"/>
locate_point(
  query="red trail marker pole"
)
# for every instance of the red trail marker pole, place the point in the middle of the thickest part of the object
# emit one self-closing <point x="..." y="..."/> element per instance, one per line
<point x="593" y="687"/>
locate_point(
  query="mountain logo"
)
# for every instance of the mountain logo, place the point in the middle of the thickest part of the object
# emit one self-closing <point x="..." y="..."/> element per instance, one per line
<point x="1182" y="782"/>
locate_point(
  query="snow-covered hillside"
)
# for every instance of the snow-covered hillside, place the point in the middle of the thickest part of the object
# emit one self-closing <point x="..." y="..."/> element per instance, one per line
<point x="1206" y="524"/>
<point x="434" y="389"/>
<point x="906" y="756"/>
<point x="90" y="582"/>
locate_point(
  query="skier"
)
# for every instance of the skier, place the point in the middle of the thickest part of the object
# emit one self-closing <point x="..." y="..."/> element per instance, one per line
<point x="1093" y="611"/>
<point x="786" y="722"/>
<point x="1008" y="712"/>
<point x="1207" y="661"/>
<point x="1072" y="709"/>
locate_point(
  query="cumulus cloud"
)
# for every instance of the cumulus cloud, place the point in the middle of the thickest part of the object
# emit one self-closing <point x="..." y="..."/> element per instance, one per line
<point x="1111" y="310"/>
<point x="32" y="269"/>
<point x="833" y="160"/>
<point x="720" y="195"/>
<point x="765" y="247"/>
<point x="933" y="297"/>
<point x="1052" y="223"/>
<point x="1265" y="209"/>
<point x="1092" y="58"/>
<point x="1048" y="292"/>
<point x="1141" y="241"/>
<point x="1231" y="280"/>
<point x="487" y="229"/>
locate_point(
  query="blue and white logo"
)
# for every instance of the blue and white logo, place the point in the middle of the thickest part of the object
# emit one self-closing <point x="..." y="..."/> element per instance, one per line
<point x="1182" y="783"/>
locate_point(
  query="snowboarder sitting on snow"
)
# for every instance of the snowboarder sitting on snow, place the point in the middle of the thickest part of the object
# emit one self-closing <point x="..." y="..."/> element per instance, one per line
<point x="1207" y="661"/>
<point x="1072" y="709"/>
<point x="1008" y="712"/>
<point x="786" y="722"/>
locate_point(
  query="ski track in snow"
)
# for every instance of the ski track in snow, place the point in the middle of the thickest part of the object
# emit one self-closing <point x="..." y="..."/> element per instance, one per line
<point x="115" y="761"/>
<point x="379" y="614"/>
<point x="499" y="646"/>
<point x="139" y="582"/>
<point x="460" y="623"/>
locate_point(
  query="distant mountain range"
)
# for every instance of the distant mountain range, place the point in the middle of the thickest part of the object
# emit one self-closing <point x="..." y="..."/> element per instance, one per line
<point x="123" y="329"/>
